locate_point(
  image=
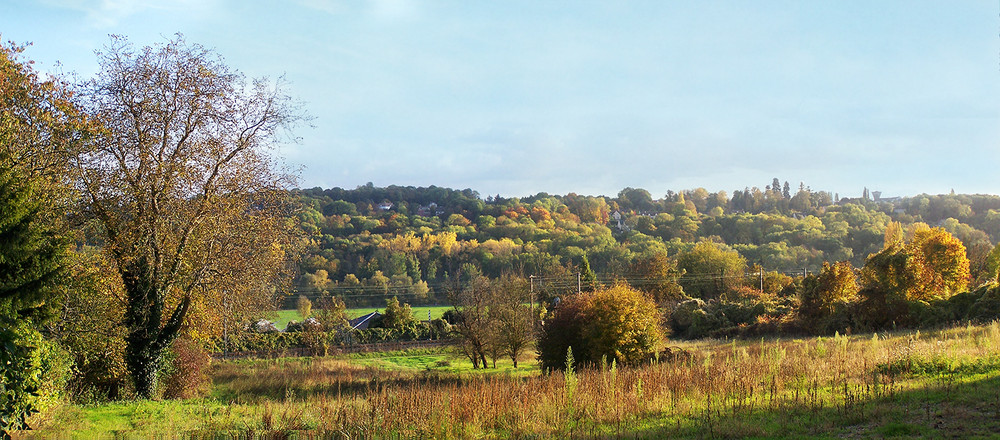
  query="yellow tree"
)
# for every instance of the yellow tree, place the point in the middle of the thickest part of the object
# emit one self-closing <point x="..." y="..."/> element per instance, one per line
<point x="933" y="265"/>
<point x="941" y="264"/>
<point x="711" y="269"/>
<point x="836" y="285"/>
<point x="41" y="129"/>
<point x="622" y="324"/>
<point x="615" y="323"/>
<point x="182" y="183"/>
<point x="657" y="275"/>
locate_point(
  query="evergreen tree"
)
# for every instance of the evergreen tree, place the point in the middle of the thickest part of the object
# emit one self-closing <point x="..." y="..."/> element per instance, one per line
<point x="587" y="278"/>
<point x="31" y="260"/>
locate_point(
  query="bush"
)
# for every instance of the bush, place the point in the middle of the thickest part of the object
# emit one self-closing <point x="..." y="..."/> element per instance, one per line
<point x="33" y="378"/>
<point x="617" y="324"/>
<point x="185" y="374"/>
<point x="310" y="324"/>
<point x="987" y="306"/>
<point x="304" y="306"/>
<point x="562" y="330"/>
<point x="695" y="318"/>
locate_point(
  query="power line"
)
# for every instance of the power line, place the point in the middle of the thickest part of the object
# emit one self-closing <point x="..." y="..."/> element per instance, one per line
<point x="568" y="282"/>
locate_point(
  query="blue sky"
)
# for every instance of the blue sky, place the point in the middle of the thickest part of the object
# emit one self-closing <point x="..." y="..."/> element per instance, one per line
<point x="518" y="97"/>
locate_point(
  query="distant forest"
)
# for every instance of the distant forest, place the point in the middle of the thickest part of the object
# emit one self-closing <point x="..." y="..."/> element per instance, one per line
<point x="420" y="243"/>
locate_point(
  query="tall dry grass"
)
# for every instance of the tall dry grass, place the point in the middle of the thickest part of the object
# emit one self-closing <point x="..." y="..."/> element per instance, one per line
<point x="720" y="383"/>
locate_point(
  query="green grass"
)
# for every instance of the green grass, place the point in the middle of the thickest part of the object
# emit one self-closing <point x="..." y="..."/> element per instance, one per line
<point x="441" y="360"/>
<point x="282" y="317"/>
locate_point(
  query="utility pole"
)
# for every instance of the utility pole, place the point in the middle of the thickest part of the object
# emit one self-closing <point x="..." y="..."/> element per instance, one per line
<point x="761" y="273"/>
<point x="225" y="325"/>
<point x="531" y="291"/>
<point x="579" y="286"/>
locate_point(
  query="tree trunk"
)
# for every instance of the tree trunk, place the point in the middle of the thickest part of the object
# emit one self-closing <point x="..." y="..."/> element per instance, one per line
<point x="147" y="340"/>
<point x="143" y="364"/>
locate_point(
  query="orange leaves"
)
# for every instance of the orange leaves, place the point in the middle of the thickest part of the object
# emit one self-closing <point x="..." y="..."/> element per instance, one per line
<point x="941" y="263"/>
<point x="933" y="265"/>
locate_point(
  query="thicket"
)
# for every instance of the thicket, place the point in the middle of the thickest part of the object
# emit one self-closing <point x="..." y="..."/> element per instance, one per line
<point x="616" y="324"/>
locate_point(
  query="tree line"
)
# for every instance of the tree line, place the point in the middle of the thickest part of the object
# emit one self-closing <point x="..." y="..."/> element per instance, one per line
<point x="369" y="242"/>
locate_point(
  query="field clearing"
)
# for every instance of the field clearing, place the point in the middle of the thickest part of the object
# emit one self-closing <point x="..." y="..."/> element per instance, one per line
<point x="282" y="317"/>
<point x="942" y="383"/>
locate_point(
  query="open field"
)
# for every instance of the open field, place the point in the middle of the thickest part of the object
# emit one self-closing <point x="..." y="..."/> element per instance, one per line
<point x="917" y="384"/>
<point x="282" y="317"/>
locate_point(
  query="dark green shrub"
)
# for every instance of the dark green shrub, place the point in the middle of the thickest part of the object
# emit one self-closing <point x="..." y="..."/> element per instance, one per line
<point x="694" y="319"/>
<point x="987" y="306"/>
<point x="452" y="316"/>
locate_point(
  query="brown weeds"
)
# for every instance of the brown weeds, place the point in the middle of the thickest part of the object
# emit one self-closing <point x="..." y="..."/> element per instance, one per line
<point x="716" y="391"/>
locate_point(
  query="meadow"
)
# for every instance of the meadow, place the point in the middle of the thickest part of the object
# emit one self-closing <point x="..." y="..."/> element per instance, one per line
<point x="943" y="383"/>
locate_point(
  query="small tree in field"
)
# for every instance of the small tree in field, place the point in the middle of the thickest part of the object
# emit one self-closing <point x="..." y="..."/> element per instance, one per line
<point x="304" y="306"/>
<point x="514" y="323"/>
<point x="332" y="313"/>
<point x="397" y="316"/>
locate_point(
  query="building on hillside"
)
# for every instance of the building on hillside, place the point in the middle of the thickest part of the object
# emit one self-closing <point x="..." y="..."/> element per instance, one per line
<point x="362" y="322"/>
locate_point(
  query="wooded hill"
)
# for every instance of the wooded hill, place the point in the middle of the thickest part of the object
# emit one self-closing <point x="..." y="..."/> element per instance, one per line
<point x="418" y="243"/>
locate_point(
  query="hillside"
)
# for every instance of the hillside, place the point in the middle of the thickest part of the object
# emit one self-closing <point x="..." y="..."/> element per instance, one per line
<point x="369" y="242"/>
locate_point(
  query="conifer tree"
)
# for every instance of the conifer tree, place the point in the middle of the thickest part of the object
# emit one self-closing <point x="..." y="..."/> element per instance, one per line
<point x="31" y="260"/>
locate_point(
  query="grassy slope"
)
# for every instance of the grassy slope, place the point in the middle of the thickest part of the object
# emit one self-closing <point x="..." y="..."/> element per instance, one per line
<point x="935" y="384"/>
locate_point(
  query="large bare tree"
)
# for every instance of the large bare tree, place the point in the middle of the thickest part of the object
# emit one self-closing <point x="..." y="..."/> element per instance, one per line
<point x="184" y="184"/>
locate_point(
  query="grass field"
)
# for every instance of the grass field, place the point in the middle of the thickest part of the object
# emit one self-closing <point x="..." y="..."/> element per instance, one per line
<point x="943" y="384"/>
<point x="282" y="317"/>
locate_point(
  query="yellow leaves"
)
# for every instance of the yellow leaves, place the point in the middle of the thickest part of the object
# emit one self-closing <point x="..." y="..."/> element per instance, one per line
<point x="933" y="265"/>
<point x="893" y="235"/>
<point x="503" y="247"/>
<point x="836" y="283"/>
<point x="407" y="243"/>
<point x="941" y="261"/>
<point x="622" y="323"/>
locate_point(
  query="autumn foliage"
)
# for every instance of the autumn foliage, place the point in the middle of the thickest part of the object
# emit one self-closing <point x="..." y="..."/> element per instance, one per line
<point x="617" y="323"/>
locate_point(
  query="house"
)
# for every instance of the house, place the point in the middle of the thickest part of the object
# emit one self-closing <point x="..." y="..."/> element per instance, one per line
<point x="385" y="206"/>
<point x="362" y="322"/>
<point x="617" y="217"/>
<point x="429" y="210"/>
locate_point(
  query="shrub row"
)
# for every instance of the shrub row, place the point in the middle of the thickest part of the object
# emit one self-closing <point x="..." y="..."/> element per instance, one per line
<point x="321" y="341"/>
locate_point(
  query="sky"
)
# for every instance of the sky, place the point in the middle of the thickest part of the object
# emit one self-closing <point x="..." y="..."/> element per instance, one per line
<point x="516" y="97"/>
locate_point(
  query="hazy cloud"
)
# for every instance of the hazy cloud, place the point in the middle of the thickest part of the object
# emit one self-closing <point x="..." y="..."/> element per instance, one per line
<point x="105" y="14"/>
